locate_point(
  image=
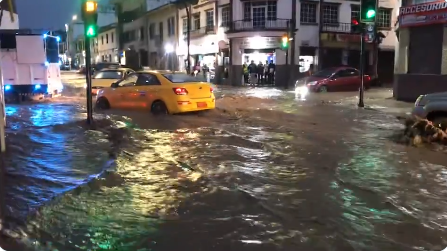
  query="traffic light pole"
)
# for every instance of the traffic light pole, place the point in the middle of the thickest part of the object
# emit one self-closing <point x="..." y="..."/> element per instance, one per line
<point x="88" y="79"/>
<point x="362" y="68"/>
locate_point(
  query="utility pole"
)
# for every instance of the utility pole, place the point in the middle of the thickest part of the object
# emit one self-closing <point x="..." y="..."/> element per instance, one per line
<point x="90" y="15"/>
<point x="368" y="9"/>
<point x="292" y="34"/>
<point x="320" y="29"/>
<point x="188" y="37"/>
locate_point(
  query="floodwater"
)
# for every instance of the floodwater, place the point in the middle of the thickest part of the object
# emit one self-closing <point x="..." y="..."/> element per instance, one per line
<point x="292" y="175"/>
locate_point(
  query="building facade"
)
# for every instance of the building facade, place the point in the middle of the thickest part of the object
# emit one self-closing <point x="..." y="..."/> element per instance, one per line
<point x="107" y="44"/>
<point x="163" y="37"/>
<point x="254" y="34"/>
<point x="321" y="39"/>
<point x="421" y="55"/>
<point x="206" y="34"/>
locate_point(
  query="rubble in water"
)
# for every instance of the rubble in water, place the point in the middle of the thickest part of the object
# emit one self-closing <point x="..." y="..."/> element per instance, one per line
<point x="421" y="131"/>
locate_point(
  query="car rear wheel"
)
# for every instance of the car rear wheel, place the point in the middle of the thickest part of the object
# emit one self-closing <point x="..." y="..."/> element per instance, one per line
<point x="322" y="88"/>
<point x="159" y="108"/>
<point x="102" y="104"/>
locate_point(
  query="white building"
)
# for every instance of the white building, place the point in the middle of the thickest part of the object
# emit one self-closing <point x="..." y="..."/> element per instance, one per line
<point x="256" y="28"/>
<point x="163" y="37"/>
<point x="107" y="44"/>
<point x="207" y="35"/>
<point x="75" y="33"/>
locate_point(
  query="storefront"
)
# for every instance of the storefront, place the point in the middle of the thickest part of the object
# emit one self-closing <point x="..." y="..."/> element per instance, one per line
<point x="421" y="60"/>
<point x="258" y="50"/>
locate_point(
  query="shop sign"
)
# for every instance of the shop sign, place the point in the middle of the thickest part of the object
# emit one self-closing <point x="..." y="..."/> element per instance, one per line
<point x="423" y="14"/>
<point x="260" y="43"/>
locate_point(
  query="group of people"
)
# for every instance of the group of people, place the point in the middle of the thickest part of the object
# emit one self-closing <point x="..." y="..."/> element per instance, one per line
<point x="258" y="74"/>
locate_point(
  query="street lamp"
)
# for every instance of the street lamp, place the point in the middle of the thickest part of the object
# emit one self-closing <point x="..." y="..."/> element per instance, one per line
<point x="75" y="17"/>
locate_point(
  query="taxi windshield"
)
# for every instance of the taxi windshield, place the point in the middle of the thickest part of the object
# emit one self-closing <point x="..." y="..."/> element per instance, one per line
<point x="183" y="78"/>
<point x="112" y="74"/>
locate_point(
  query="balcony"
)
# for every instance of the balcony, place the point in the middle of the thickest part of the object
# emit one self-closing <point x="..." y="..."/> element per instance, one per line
<point x="259" y="25"/>
<point x="340" y="28"/>
<point x="207" y="30"/>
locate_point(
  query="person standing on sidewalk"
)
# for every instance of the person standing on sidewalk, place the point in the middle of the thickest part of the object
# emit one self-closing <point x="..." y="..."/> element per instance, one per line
<point x="253" y="70"/>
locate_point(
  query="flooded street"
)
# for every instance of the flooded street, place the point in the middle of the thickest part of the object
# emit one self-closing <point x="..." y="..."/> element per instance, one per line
<point x="264" y="171"/>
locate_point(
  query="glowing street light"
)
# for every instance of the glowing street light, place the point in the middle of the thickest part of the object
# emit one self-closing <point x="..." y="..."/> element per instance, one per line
<point x="169" y="48"/>
<point x="75" y="17"/>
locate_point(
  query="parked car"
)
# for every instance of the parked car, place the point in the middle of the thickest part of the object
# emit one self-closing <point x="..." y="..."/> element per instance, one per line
<point x="432" y="107"/>
<point x="333" y="79"/>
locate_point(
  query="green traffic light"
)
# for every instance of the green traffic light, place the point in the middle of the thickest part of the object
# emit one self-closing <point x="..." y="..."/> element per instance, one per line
<point x="91" y="31"/>
<point x="370" y="13"/>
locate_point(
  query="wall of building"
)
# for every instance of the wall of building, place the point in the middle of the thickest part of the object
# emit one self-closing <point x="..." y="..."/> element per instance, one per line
<point x="107" y="49"/>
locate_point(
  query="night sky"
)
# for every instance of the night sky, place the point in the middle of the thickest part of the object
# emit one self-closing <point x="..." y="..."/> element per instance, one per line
<point x="46" y="14"/>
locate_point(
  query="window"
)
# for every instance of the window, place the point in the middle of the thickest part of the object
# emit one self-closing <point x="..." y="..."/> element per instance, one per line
<point x="107" y="38"/>
<point x="147" y="79"/>
<point x="209" y="18"/>
<point x="102" y="39"/>
<point x="330" y="14"/>
<point x="171" y="26"/>
<point x="130" y="80"/>
<point x="160" y="30"/>
<point x="383" y="18"/>
<point x="355" y="11"/>
<point x="141" y="33"/>
<point x="108" y="74"/>
<point x="185" y="25"/>
<point x="265" y="10"/>
<point x="308" y="13"/>
<point x="151" y="31"/>
<point x="183" y="78"/>
<point x="196" y="21"/>
<point x="225" y="16"/>
<point x="112" y="36"/>
<point x="346" y="73"/>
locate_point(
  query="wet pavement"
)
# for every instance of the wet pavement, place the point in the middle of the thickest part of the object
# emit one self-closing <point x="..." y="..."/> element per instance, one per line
<point x="265" y="171"/>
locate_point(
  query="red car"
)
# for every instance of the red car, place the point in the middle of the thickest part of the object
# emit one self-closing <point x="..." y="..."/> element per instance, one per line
<point x="334" y="79"/>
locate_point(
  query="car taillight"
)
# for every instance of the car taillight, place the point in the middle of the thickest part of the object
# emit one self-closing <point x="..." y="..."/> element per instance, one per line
<point x="180" y="91"/>
<point x="211" y="89"/>
<point x="368" y="78"/>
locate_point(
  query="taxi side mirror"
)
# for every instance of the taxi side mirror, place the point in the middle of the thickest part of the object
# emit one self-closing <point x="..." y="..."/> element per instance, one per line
<point x="114" y="85"/>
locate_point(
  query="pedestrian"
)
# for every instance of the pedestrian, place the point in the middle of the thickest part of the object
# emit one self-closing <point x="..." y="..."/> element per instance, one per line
<point x="271" y="68"/>
<point x="245" y="73"/>
<point x="252" y="69"/>
<point x="260" y="71"/>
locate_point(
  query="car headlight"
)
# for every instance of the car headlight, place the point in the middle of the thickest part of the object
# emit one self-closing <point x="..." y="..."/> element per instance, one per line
<point x="301" y="90"/>
<point x="312" y="83"/>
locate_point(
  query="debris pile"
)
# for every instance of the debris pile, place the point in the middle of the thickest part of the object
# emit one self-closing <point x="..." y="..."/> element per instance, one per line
<point x="419" y="131"/>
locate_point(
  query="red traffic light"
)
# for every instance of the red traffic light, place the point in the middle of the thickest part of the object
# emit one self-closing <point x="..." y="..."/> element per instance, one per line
<point x="355" y="22"/>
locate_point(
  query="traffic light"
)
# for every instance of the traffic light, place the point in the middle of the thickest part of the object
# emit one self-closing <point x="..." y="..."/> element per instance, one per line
<point x="368" y="10"/>
<point x="356" y="26"/>
<point x="90" y="17"/>
<point x="285" y="42"/>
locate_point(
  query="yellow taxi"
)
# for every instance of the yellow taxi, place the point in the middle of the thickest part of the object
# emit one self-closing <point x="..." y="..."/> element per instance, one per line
<point x="107" y="76"/>
<point x="163" y="92"/>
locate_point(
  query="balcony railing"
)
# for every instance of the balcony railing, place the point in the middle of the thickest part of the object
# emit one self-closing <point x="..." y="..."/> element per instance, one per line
<point x="336" y="27"/>
<point x="207" y="30"/>
<point x="259" y="25"/>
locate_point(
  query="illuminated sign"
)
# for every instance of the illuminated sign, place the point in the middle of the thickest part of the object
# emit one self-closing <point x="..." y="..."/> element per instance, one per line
<point x="423" y="14"/>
